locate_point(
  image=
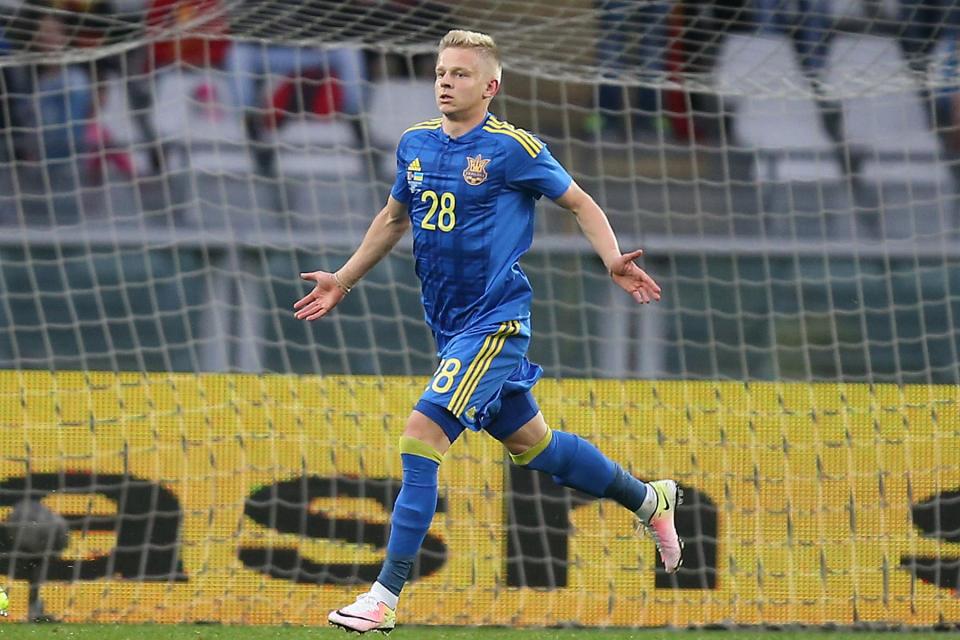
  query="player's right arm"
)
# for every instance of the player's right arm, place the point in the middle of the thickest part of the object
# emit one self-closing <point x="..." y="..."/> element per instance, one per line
<point x="386" y="230"/>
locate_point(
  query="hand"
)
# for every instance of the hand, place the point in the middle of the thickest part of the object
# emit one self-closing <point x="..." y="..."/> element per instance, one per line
<point x="633" y="279"/>
<point x="324" y="297"/>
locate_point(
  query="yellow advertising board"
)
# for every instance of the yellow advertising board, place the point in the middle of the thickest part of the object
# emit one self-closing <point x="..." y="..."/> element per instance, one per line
<point x="265" y="499"/>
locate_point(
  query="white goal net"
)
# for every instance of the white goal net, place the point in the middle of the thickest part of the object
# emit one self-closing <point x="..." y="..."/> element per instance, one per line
<point x="176" y="447"/>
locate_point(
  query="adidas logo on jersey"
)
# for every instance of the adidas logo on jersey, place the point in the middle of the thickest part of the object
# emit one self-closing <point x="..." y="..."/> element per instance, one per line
<point x="414" y="176"/>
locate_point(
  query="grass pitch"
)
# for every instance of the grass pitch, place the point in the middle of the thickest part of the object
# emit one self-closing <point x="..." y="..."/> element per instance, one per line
<point x="215" y="632"/>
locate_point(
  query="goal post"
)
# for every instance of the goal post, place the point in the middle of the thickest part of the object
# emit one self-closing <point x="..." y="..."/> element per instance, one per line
<point x="167" y="169"/>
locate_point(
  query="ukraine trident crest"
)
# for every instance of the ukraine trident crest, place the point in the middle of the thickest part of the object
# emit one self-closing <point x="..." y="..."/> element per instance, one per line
<point x="476" y="171"/>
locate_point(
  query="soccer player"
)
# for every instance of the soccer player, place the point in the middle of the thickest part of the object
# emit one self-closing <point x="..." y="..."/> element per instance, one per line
<point x="467" y="183"/>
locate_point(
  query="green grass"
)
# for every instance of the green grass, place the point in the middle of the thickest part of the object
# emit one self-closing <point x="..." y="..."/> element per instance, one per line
<point x="214" y="632"/>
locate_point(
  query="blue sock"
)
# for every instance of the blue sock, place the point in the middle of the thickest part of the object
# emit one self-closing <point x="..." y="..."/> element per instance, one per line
<point x="626" y="490"/>
<point x="394" y="573"/>
<point x="572" y="461"/>
<point x="412" y="512"/>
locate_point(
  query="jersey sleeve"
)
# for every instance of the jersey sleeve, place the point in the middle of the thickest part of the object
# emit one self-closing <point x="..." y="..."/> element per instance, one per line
<point x="539" y="174"/>
<point x="401" y="190"/>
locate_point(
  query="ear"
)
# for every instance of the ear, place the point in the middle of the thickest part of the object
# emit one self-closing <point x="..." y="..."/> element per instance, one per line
<point x="492" y="88"/>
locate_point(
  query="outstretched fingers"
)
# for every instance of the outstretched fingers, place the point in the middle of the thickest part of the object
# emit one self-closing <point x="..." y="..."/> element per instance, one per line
<point x="321" y="300"/>
<point x="312" y="311"/>
<point x="304" y="300"/>
<point x="646" y="293"/>
<point x="650" y="285"/>
<point x="317" y="314"/>
<point x="639" y="284"/>
<point x="309" y="276"/>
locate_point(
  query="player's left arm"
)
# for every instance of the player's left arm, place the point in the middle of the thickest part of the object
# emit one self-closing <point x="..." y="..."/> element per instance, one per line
<point x="595" y="226"/>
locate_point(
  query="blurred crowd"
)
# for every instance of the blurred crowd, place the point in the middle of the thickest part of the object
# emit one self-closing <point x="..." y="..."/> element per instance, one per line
<point x="50" y="109"/>
<point x="675" y="39"/>
<point x="52" y="106"/>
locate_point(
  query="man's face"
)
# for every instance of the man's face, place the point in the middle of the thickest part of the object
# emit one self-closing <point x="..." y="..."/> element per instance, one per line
<point x="464" y="81"/>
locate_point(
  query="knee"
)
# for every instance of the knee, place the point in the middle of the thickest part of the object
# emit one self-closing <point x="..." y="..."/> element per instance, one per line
<point x="425" y="431"/>
<point x="535" y="432"/>
<point x="524" y="453"/>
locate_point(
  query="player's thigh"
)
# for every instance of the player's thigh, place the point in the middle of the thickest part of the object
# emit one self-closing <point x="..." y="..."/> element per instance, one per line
<point x="473" y="369"/>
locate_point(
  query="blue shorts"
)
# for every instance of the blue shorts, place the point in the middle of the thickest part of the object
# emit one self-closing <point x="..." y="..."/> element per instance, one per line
<point x="483" y="381"/>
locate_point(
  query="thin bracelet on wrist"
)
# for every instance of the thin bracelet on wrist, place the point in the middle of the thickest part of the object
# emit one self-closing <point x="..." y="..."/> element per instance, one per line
<point x="343" y="287"/>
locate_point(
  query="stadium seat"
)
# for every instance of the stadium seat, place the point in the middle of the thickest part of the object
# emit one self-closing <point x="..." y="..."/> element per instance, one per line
<point x="908" y="156"/>
<point x="797" y="171"/>
<point x="396" y="104"/>
<point x="750" y="69"/>
<point x="307" y="146"/>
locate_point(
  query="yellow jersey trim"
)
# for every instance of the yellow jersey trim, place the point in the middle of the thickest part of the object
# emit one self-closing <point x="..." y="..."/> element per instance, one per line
<point x="529" y="143"/>
<point x="426" y="124"/>
<point x="533" y="150"/>
<point x="501" y="124"/>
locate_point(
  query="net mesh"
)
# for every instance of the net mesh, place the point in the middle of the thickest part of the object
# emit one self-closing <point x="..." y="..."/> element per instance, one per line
<point x="574" y="39"/>
<point x="175" y="446"/>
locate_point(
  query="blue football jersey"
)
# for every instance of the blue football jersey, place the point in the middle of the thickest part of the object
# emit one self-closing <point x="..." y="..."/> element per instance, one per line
<point x="471" y="202"/>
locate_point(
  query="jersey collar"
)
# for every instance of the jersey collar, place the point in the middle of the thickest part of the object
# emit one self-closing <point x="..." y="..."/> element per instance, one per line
<point x="469" y="134"/>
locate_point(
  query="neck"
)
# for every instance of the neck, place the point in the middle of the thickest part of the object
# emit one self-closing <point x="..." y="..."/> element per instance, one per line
<point x="463" y="122"/>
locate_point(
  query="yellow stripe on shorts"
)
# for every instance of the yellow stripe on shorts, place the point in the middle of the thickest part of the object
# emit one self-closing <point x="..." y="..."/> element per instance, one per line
<point x="480" y="366"/>
<point x="487" y="345"/>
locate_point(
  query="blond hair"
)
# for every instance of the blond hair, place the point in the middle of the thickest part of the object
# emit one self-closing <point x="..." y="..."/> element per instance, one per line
<point x="479" y="42"/>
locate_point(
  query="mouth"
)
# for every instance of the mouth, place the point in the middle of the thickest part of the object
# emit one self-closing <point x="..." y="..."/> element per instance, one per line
<point x="445" y="97"/>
